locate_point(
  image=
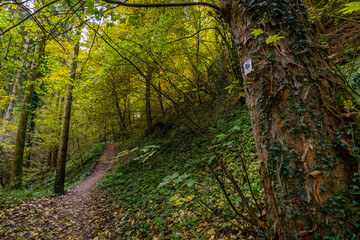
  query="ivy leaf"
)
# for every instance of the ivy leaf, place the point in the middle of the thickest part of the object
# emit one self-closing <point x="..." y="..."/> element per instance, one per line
<point x="351" y="7"/>
<point x="348" y="105"/>
<point x="257" y="32"/>
<point x="273" y="39"/>
<point x="176" y="200"/>
<point x="190" y="182"/>
<point x="221" y="137"/>
<point x="229" y="88"/>
<point x="181" y="178"/>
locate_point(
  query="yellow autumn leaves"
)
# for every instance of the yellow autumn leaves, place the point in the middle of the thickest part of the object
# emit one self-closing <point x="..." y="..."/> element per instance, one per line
<point x="177" y="200"/>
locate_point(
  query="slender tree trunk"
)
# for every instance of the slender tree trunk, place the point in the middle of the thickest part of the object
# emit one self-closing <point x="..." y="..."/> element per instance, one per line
<point x="161" y="101"/>
<point x="64" y="139"/>
<point x="14" y="92"/>
<point x="308" y="143"/>
<point x="17" y="81"/>
<point x="125" y="113"/>
<point x="128" y="114"/>
<point x="59" y="186"/>
<point x="80" y="154"/>
<point x="113" y="133"/>
<point x="18" y="159"/>
<point x="54" y="152"/>
<point x="198" y="60"/>
<point x="121" y="116"/>
<point x="148" y="103"/>
<point x="55" y="148"/>
<point x="31" y="127"/>
<point x="105" y="131"/>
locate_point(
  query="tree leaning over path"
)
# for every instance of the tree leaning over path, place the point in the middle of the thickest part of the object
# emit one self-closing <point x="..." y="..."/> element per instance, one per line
<point x="307" y="141"/>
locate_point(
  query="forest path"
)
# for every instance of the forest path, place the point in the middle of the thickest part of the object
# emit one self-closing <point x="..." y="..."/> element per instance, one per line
<point x="83" y="213"/>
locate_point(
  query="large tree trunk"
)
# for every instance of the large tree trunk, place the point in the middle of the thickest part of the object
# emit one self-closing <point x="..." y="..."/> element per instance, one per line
<point x="59" y="186"/>
<point x="18" y="159"/>
<point x="306" y="139"/>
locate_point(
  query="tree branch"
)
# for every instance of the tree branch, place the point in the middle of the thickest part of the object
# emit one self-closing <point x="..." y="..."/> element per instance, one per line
<point x="13" y="3"/>
<point x="37" y="22"/>
<point x="156" y="5"/>
<point x="192" y="35"/>
<point x="28" y="16"/>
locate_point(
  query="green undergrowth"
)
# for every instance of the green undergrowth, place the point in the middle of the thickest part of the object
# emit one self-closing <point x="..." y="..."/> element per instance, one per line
<point x="36" y="185"/>
<point x="165" y="190"/>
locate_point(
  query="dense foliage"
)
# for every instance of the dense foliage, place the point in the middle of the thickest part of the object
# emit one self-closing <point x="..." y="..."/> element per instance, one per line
<point x="165" y="85"/>
<point x="173" y="193"/>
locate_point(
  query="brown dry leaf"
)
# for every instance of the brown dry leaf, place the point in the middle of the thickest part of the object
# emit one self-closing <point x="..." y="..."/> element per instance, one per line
<point x="315" y="173"/>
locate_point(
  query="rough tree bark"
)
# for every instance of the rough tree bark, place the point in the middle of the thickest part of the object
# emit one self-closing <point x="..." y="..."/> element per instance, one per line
<point x="59" y="186"/>
<point x="307" y="141"/>
<point x="17" y="164"/>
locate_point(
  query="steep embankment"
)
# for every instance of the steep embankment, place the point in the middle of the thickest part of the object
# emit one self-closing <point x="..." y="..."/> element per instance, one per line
<point x="82" y="213"/>
<point x="165" y="187"/>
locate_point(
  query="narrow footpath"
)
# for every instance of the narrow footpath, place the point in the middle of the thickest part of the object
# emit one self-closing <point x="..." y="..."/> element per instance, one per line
<point x="83" y="213"/>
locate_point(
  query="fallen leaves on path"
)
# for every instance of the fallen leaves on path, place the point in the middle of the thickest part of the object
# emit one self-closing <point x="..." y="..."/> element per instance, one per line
<point x="83" y="213"/>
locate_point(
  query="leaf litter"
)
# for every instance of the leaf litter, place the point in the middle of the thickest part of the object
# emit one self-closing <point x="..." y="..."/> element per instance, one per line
<point x="83" y="213"/>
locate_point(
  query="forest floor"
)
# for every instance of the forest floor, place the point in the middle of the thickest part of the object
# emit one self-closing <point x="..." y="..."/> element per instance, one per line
<point x="83" y="213"/>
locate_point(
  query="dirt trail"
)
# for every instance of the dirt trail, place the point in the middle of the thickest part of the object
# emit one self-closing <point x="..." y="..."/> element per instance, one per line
<point x="82" y="191"/>
<point x="82" y="213"/>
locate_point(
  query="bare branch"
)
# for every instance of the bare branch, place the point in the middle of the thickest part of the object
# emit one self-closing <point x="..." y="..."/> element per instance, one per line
<point x="28" y="16"/>
<point x="157" y="5"/>
<point x="192" y="35"/>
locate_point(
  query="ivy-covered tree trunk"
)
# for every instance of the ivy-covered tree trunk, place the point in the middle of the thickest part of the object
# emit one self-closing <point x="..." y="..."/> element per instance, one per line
<point x="18" y="160"/>
<point x="59" y="186"/>
<point x="305" y="122"/>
